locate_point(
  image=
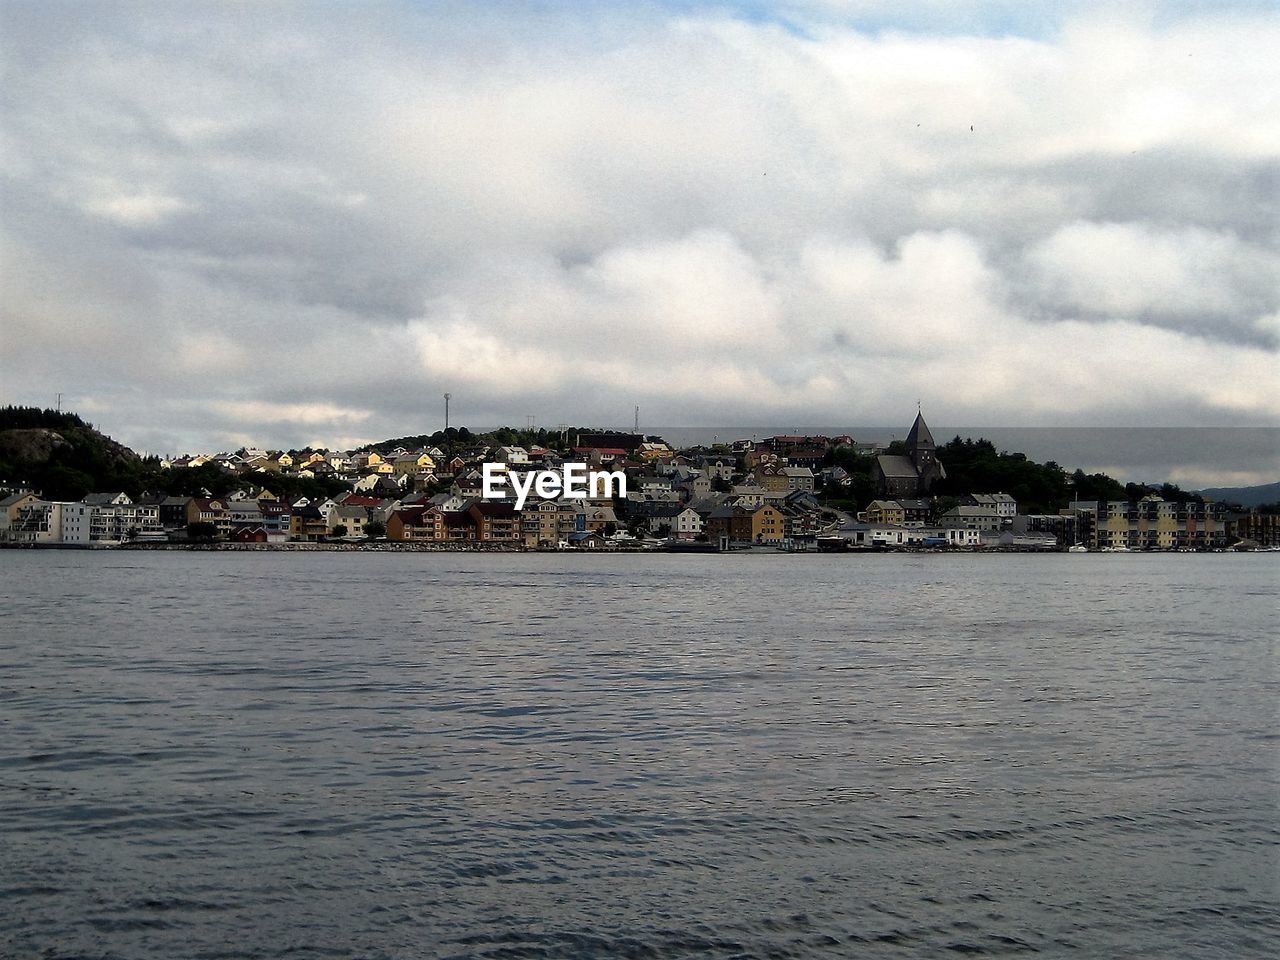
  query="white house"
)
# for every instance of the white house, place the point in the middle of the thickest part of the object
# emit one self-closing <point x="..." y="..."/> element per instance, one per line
<point x="511" y="455"/>
<point x="686" y="525"/>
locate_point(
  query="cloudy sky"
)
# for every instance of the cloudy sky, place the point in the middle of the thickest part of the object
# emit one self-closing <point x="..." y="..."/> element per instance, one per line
<point x="291" y="223"/>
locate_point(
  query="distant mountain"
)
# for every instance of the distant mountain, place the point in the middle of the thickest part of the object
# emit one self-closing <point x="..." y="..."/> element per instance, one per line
<point x="1245" y="496"/>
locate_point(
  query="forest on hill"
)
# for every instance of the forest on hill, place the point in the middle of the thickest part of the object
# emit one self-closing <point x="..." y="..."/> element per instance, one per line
<point x="64" y="458"/>
<point x="977" y="466"/>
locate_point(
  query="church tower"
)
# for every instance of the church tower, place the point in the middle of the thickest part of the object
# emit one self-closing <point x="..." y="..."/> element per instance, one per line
<point x="924" y="454"/>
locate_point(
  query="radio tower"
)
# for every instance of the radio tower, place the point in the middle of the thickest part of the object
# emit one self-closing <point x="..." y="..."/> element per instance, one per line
<point x="636" y="428"/>
<point x="447" y="397"/>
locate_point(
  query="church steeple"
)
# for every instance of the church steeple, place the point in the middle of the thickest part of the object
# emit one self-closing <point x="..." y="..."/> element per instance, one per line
<point x="919" y="438"/>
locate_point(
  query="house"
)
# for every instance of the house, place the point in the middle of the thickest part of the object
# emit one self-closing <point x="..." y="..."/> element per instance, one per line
<point x="971" y="518"/>
<point x="1004" y="505"/>
<point x="10" y="507"/>
<point x="770" y="477"/>
<point x="448" y="502"/>
<point x="686" y="525"/>
<point x="885" y="512"/>
<point x="759" y="524"/>
<point x="658" y="517"/>
<point x="414" y="464"/>
<point x="799" y="478"/>
<point x="512" y="456"/>
<point x="416" y="523"/>
<point x="308" y="523"/>
<point x="749" y="494"/>
<point x="915" y="509"/>
<point x="210" y="510"/>
<point x="352" y="516"/>
<point x="651" y="486"/>
<point x="118" y="498"/>
<point x="244" y="513"/>
<point x="717" y="467"/>
<point x="802" y="518"/>
<point x="597" y="514"/>
<point x="697" y="487"/>
<point x="173" y="512"/>
<point x="276" y="519"/>
<point x="540" y="523"/>
<point x="495" y="520"/>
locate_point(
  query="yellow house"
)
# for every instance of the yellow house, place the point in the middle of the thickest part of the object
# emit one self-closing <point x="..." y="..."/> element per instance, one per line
<point x="886" y="511"/>
<point x="768" y="525"/>
<point x="10" y="507"/>
<point x="540" y="524"/>
<point x="414" y="463"/>
<point x="771" y="478"/>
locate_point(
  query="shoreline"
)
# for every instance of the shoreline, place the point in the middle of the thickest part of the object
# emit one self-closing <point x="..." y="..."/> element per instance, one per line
<point x="473" y="547"/>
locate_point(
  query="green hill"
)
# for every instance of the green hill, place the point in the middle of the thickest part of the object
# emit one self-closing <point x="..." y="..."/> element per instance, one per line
<point x="64" y="457"/>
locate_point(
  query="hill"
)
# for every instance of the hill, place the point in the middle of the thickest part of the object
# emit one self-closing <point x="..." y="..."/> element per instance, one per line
<point x="1258" y="496"/>
<point x="62" y="455"/>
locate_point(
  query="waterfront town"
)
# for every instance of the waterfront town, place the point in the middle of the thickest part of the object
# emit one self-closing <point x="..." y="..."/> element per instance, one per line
<point x="787" y="493"/>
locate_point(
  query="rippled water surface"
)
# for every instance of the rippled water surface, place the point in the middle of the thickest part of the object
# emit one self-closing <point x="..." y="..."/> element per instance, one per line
<point x="439" y="755"/>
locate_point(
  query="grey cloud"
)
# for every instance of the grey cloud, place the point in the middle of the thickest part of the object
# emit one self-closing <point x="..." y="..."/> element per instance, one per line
<point x="356" y="209"/>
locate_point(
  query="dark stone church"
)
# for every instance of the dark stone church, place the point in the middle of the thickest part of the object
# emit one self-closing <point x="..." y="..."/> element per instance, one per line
<point x="914" y="474"/>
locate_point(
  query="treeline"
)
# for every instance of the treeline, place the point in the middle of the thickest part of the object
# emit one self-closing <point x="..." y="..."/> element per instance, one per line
<point x="977" y="466"/>
<point x="456" y="439"/>
<point x="34" y="418"/>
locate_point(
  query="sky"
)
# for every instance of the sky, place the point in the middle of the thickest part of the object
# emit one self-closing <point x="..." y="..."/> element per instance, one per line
<point x="284" y="224"/>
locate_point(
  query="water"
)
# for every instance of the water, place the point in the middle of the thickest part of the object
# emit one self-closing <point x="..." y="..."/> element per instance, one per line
<point x="449" y="755"/>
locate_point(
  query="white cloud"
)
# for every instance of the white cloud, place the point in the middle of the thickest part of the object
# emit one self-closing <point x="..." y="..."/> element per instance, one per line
<point x="214" y="214"/>
<point x="1136" y="270"/>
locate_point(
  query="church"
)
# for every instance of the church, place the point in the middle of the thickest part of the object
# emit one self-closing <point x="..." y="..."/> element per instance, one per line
<point x="915" y="473"/>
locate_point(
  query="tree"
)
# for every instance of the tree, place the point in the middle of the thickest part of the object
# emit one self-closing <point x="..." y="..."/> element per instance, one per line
<point x="375" y="529"/>
<point x="941" y="505"/>
<point x="340" y="531"/>
<point x="1097" y="486"/>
